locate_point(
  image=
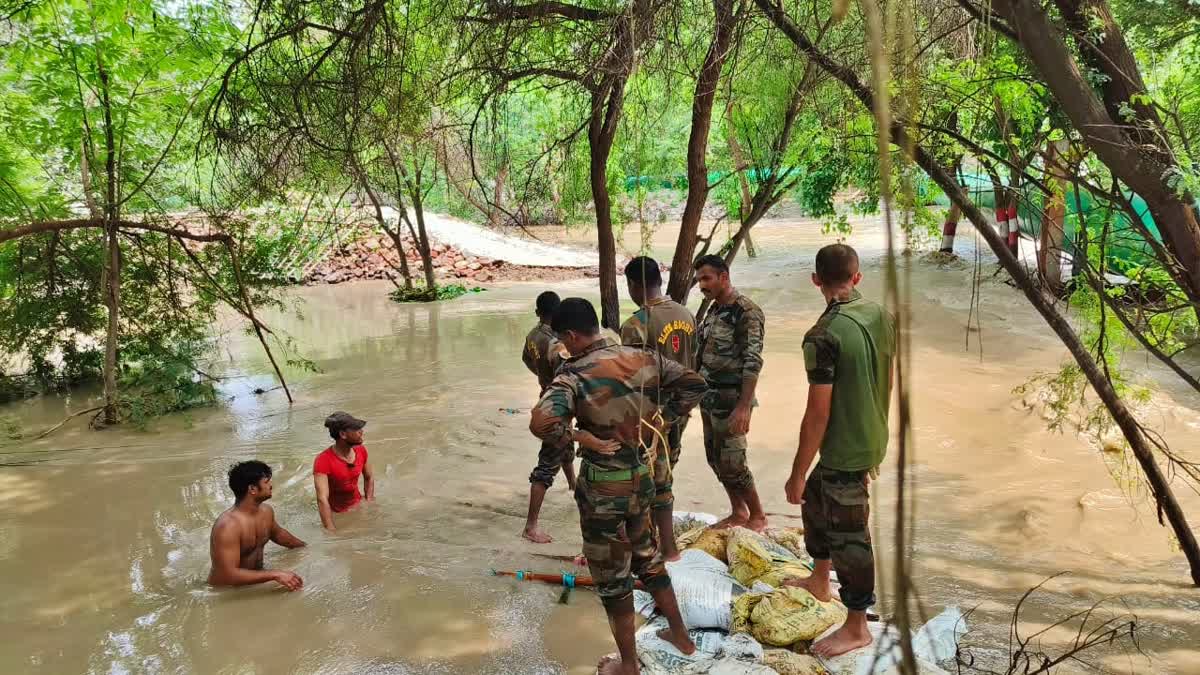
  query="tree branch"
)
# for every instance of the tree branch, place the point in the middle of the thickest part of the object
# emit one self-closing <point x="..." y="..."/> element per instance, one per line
<point x="988" y="18"/>
<point x="497" y="12"/>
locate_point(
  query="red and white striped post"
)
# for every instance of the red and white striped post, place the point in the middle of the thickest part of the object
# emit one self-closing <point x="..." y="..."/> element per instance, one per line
<point x="1014" y="230"/>
<point x="950" y="228"/>
<point x="1002" y="223"/>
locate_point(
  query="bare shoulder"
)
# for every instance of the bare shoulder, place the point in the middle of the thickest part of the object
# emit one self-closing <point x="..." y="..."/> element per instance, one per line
<point x="228" y="523"/>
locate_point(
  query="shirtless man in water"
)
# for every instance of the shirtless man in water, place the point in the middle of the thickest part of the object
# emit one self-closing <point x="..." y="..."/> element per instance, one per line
<point x="241" y="533"/>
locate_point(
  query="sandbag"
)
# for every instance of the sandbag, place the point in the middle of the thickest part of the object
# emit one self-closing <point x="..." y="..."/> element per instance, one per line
<point x="782" y="571"/>
<point x="685" y="538"/>
<point x="791" y="538"/>
<point x="716" y="654"/>
<point x="787" y="662"/>
<point x="686" y="521"/>
<point x="742" y="647"/>
<point x="703" y="589"/>
<point x="712" y="542"/>
<point x="790" y="615"/>
<point x="748" y="558"/>
<point x="743" y="606"/>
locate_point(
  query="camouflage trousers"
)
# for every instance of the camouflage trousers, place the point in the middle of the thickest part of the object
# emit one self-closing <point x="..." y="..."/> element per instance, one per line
<point x="550" y="460"/>
<point x="724" y="450"/>
<point x="664" y="466"/>
<point x="835" y="512"/>
<point x="618" y="538"/>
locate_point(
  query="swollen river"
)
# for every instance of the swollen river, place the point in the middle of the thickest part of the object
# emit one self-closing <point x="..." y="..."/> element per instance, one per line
<point x="104" y="535"/>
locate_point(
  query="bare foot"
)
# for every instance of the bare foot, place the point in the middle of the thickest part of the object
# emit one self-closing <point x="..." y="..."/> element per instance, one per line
<point x="611" y="665"/>
<point x="820" y="590"/>
<point x="537" y="536"/>
<point x="580" y="560"/>
<point x="684" y="644"/>
<point x="672" y="557"/>
<point x="757" y="524"/>
<point x="842" y="640"/>
<point x="732" y="520"/>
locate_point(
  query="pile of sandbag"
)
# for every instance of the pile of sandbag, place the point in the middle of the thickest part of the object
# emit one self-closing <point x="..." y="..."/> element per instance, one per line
<point x="755" y="557"/>
<point x="730" y="588"/>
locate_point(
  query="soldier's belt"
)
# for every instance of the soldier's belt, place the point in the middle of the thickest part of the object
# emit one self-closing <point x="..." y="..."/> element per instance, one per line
<point x="594" y="475"/>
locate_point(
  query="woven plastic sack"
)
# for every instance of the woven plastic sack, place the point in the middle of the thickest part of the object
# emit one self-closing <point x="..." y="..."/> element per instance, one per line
<point x="790" y="615"/>
<point x="748" y="557"/>
<point x="782" y="571"/>
<point x="791" y="538"/>
<point x="743" y="605"/>
<point x="787" y="662"/>
<point x="712" y="542"/>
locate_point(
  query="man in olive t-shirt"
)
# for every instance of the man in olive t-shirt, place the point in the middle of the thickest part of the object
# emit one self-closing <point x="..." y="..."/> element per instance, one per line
<point x="848" y="355"/>
<point x="668" y="328"/>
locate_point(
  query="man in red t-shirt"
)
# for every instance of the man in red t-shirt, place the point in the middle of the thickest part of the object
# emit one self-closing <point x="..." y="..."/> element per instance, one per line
<point x="337" y="468"/>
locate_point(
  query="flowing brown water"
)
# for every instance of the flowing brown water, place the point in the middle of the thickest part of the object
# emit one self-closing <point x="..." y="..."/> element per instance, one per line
<point x="104" y="535"/>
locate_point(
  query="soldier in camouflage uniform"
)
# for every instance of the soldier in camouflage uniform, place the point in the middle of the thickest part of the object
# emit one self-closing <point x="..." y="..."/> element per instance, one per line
<point x="542" y="356"/>
<point x="612" y="392"/>
<point x="729" y="355"/>
<point x="849" y="356"/>
<point x="667" y="328"/>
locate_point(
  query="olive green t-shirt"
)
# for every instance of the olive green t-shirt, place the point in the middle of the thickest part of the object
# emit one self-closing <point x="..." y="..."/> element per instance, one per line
<point x="851" y="347"/>
<point x="664" y="326"/>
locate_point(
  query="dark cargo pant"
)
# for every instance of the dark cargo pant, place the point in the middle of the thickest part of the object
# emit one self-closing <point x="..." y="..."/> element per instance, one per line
<point x="835" y="513"/>
<point x="618" y="539"/>
<point x="550" y="460"/>
<point x="724" y="450"/>
<point x="664" y="466"/>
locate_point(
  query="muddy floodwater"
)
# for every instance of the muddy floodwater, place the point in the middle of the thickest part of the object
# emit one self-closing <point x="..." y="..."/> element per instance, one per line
<point x="104" y="535"/>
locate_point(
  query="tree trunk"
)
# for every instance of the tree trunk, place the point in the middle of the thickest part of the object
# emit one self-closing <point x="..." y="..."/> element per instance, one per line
<point x="394" y="235"/>
<point x="86" y="175"/>
<point x="112" y="300"/>
<point x="601" y="134"/>
<point x="497" y="206"/>
<point x="1050" y="244"/>
<point x="423" y="238"/>
<point x="697" y="163"/>
<point x="1132" y="430"/>
<point x="112" y="295"/>
<point x="413" y="187"/>
<point x="1145" y="167"/>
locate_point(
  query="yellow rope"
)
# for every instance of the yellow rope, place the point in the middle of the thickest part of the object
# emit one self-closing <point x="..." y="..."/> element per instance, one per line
<point x="652" y="449"/>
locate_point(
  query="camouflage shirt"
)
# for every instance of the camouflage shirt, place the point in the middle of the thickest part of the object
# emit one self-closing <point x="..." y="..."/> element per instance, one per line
<point x="542" y="354"/>
<point x="665" y="326"/>
<point x="730" y="342"/>
<point x="609" y="390"/>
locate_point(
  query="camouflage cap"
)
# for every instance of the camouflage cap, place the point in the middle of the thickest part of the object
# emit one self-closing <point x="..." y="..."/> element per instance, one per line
<point x="343" y="421"/>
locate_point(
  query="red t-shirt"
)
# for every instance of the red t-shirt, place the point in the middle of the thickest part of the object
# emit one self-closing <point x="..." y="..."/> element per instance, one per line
<point x="343" y="480"/>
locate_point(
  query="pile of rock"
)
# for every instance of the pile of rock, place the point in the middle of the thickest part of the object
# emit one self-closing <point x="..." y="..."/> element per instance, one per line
<point x="372" y="255"/>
